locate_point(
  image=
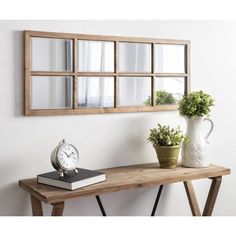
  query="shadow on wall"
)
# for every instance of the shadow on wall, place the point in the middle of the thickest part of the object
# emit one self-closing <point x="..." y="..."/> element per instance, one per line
<point x="14" y="201"/>
<point x="133" y="148"/>
<point x="18" y="73"/>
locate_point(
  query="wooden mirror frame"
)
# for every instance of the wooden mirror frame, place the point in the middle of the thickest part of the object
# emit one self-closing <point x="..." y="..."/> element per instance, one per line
<point x="116" y="74"/>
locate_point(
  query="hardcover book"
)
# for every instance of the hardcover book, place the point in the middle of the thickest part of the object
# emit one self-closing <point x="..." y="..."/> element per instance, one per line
<point x="71" y="180"/>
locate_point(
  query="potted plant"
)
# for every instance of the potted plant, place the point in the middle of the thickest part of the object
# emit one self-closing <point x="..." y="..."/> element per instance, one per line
<point x="195" y="108"/>
<point x="166" y="141"/>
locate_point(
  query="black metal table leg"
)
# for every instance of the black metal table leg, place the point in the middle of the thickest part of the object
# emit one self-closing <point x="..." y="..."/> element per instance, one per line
<point x="153" y="210"/>
<point x="100" y="205"/>
<point x="157" y="200"/>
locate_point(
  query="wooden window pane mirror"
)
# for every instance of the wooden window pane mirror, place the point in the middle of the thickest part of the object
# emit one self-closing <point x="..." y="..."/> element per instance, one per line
<point x="68" y="74"/>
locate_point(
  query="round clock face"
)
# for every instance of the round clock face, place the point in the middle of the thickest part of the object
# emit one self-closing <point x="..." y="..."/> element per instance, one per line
<point x="67" y="156"/>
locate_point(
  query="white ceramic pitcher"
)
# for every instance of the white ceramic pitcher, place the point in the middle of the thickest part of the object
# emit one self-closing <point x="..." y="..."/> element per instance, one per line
<point x="194" y="152"/>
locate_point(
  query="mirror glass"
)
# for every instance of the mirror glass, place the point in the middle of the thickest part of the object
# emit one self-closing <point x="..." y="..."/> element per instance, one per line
<point x="51" y="92"/>
<point x="95" y="56"/>
<point x="170" y="58"/>
<point x="135" y="57"/>
<point x="95" y="92"/>
<point x="51" y="54"/>
<point x="134" y="91"/>
<point x="169" y="90"/>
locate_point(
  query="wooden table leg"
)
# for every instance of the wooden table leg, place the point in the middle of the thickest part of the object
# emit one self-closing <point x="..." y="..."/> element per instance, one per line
<point x="192" y="198"/>
<point x="36" y="204"/>
<point x="57" y="209"/>
<point x="212" y="195"/>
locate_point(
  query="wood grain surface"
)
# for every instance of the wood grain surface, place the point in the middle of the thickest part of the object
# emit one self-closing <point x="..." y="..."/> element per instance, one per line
<point x="123" y="178"/>
<point x="192" y="198"/>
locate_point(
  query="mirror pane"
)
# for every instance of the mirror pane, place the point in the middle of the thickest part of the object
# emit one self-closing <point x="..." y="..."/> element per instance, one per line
<point x="170" y="58"/>
<point x="134" y="91"/>
<point x="51" y="92"/>
<point x="95" y="56"/>
<point x="169" y="90"/>
<point x="134" y="57"/>
<point x="51" y="54"/>
<point x="95" y="92"/>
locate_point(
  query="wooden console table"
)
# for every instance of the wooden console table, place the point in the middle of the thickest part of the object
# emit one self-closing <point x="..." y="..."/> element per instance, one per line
<point x="126" y="178"/>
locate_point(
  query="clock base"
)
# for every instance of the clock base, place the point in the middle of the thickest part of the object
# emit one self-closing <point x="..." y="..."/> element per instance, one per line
<point x="62" y="173"/>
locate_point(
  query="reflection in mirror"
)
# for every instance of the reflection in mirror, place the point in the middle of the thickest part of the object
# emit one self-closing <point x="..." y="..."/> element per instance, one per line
<point x="51" y="92"/>
<point x="134" y="57"/>
<point x="169" y="90"/>
<point x="170" y="58"/>
<point x="95" y="56"/>
<point x="95" y="92"/>
<point x="134" y="91"/>
<point x="51" y="54"/>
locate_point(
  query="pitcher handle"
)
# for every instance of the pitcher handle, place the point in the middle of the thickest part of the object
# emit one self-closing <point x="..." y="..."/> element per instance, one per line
<point x="211" y="129"/>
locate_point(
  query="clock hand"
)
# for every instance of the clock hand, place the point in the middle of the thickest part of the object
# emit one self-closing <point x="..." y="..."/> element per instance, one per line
<point x="66" y="154"/>
<point x="71" y="153"/>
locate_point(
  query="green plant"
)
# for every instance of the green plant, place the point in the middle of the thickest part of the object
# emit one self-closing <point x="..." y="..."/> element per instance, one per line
<point x="195" y="104"/>
<point x="166" y="136"/>
<point x="162" y="98"/>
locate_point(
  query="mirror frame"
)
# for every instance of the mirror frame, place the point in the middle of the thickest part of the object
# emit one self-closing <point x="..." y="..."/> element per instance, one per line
<point x="74" y="73"/>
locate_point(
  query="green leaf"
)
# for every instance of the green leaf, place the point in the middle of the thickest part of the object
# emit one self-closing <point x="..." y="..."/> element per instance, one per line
<point x="166" y="136"/>
<point x="195" y="104"/>
<point x="162" y="98"/>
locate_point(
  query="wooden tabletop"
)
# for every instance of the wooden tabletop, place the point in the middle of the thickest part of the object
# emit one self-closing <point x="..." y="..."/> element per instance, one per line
<point x="123" y="178"/>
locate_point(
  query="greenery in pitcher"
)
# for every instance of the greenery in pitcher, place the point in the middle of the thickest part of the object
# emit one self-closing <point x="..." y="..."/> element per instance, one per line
<point x="195" y="104"/>
<point x="162" y="98"/>
<point x="166" y="136"/>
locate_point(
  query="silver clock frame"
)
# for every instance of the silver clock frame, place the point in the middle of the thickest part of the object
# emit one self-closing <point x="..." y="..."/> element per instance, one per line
<point x="55" y="162"/>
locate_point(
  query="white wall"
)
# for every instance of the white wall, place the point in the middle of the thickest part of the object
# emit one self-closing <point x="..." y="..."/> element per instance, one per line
<point x="115" y="139"/>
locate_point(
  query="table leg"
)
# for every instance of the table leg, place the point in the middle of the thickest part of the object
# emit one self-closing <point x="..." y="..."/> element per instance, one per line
<point x="192" y="198"/>
<point x="212" y="195"/>
<point x="157" y="200"/>
<point x="36" y="205"/>
<point x="100" y="205"/>
<point x="57" y="209"/>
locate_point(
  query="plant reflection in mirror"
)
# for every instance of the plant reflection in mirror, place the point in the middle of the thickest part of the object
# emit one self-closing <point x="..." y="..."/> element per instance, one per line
<point x="162" y="98"/>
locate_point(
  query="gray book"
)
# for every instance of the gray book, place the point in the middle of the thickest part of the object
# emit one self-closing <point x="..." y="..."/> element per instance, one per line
<point x="71" y="180"/>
